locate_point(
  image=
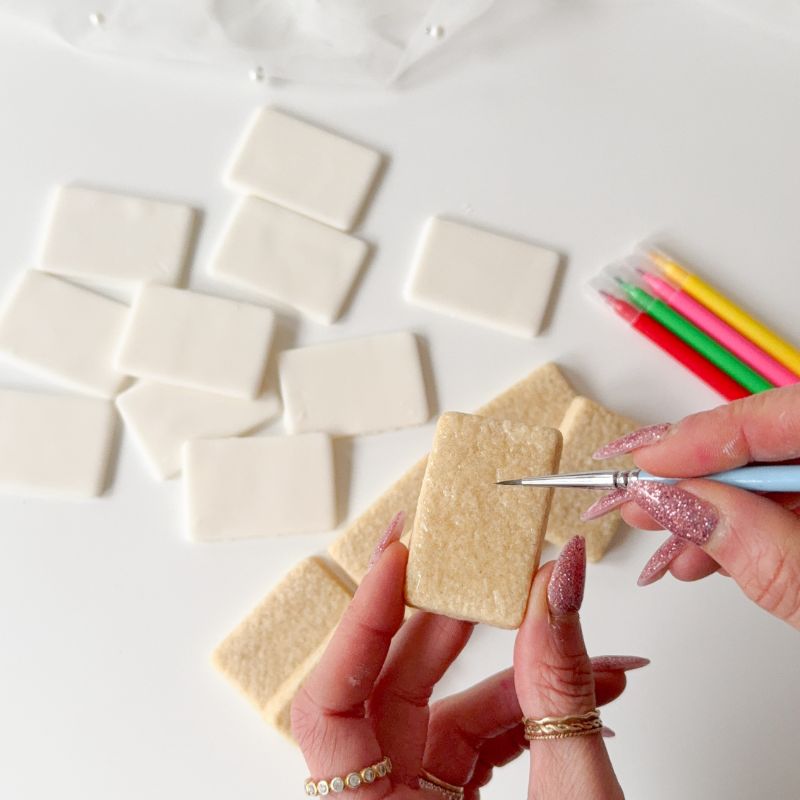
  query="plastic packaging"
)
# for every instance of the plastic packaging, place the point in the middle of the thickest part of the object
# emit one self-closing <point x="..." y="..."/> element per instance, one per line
<point x="352" y="42"/>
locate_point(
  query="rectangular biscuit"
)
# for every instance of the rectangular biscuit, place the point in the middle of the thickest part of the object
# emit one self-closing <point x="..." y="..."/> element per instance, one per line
<point x="541" y="398"/>
<point x="586" y="426"/>
<point x="476" y="545"/>
<point x="265" y="655"/>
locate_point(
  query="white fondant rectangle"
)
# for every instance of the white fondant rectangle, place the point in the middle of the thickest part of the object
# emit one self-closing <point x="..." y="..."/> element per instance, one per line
<point x="363" y="385"/>
<point x="259" y="486"/>
<point x="198" y="341"/>
<point x="482" y="277"/>
<point x="290" y="258"/>
<point x="55" y="445"/>
<point x="63" y="332"/>
<point x="116" y="238"/>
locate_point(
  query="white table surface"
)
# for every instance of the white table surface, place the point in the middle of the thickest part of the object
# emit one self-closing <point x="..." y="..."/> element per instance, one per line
<point x="586" y="128"/>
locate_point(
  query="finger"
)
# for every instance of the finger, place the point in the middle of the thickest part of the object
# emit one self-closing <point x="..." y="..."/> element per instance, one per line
<point x="685" y="561"/>
<point x="756" y="541"/>
<point x="424" y="649"/>
<point x="631" y="513"/>
<point x="462" y="723"/>
<point x="552" y="669"/>
<point x="693" y="564"/>
<point x="638" y="518"/>
<point x="554" y="678"/>
<point x="328" y="716"/>
<point x="764" y="427"/>
<point x="496" y="752"/>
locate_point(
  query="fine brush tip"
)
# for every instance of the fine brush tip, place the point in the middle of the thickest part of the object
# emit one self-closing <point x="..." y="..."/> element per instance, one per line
<point x="507" y="483"/>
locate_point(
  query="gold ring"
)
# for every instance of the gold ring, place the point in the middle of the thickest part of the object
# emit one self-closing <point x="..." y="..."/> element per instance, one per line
<point x="447" y="790"/>
<point x="353" y="780"/>
<point x="563" y="727"/>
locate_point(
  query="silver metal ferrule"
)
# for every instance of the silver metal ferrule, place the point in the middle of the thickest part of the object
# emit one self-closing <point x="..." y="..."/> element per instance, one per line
<point x="624" y="478"/>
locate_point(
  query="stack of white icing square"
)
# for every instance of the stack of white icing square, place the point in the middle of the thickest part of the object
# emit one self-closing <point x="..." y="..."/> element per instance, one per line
<point x="288" y="238"/>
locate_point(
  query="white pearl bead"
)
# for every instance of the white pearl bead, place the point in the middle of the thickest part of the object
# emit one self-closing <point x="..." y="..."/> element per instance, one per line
<point x="435" y="31"/>
<point x="257" y="73"/>
<point x="97" y="19"/>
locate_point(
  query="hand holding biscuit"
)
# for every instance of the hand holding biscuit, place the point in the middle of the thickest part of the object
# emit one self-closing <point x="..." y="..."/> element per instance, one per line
<point x="364" y="719"/>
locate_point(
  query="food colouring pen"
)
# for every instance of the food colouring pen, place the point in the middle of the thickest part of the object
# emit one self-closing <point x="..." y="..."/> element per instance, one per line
<point x="675" y="347"/>
<point x="756" y="331"/>
<point x="694" y="337"/>
<point x="695" y="312"/>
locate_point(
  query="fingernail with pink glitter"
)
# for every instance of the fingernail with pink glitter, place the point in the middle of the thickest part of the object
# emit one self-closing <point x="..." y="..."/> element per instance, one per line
<point x="608" y="502"/>
<point x="391" y="535"/>
<point x="633" y="441"/>
<point x="656" y="567"/>
<point x="565" y="590"/>
<point x="676" y="510"/>
<point x="618" y="663"/>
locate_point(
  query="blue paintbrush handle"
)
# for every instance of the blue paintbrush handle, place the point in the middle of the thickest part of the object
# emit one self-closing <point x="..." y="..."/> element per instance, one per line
<point x="778" y="478"/>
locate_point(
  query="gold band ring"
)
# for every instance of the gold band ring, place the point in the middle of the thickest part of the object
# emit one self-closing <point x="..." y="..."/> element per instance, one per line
<point x="447" y="790"/>
<point x="563" y="727"/>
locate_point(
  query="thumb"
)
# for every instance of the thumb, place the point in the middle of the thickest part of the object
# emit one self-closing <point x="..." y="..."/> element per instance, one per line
<point x="752" y="538"/>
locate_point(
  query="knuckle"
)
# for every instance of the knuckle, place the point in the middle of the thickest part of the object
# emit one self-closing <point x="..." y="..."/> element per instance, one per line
<point x="414" y="696"/>
<point x="306" y="722"/>
<point x="565" y="685"/>
<point x="774" y="583"/>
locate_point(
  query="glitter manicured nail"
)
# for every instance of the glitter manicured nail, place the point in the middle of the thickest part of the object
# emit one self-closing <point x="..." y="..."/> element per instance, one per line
<point x="676" y="510"/>
<point x="565" y="590"/>
<point x="633" y="441"/>
<point x="655" y="568"/>
<point x="608" y="502"/>
<point x="618" y="663"/>
<point x="392" y="534"/>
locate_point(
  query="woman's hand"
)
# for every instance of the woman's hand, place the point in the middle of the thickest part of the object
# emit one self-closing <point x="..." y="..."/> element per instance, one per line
<point x="753" y="538"/>
<point x="369" y="696"/>
<point x="555" y="678"/>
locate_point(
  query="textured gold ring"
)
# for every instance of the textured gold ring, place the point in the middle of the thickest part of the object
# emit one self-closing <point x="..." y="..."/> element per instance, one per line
<point x="353" y="780"/>
<point x="563" y="727"/>
<point x="447" y="790"/>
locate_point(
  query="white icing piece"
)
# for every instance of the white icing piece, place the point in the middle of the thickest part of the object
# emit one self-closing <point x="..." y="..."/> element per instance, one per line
<point x="304" y="168"/>
<point x="363" y="385"/>
<point x="197" y="341"/>
<point x="63" y="332"/>
<point x="259" y="486"/>
<point x="115" y="238"/>
<point x="482" y="277"/>
<point x="54" y="444"/>
<point x="162" y="417"/>
<point x="289" y="258"/>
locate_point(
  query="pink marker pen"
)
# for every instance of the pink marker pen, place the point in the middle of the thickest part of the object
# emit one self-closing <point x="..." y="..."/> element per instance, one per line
<point x="711" y="324"/>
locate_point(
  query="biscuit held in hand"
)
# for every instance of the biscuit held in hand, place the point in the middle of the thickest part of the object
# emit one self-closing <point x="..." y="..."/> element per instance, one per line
<point x="476" y="545"/>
